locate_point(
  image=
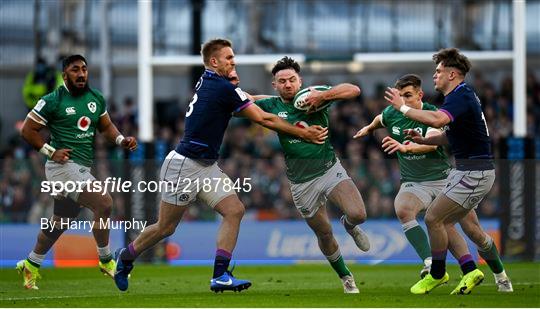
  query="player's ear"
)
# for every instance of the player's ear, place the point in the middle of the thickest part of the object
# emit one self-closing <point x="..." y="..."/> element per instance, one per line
<point x="420" y="94"/>
<point x="64" y="76"/>
<point x="213" y="62"/>
<point x="274" y="85"/>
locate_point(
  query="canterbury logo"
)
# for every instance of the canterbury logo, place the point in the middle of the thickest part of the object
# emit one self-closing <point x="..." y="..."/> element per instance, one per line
<point x="228" y="282"/>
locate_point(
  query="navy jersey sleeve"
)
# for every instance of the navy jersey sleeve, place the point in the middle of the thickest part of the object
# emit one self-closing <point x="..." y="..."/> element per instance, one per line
<point x="454" y="107"/>
<point x="237" y="99"/>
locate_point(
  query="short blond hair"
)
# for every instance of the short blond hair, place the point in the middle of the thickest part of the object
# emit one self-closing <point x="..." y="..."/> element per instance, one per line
<point x="209" y="48"/>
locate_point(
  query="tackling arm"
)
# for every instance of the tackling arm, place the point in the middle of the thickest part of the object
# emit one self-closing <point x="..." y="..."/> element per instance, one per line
<point x="313" y="134"/>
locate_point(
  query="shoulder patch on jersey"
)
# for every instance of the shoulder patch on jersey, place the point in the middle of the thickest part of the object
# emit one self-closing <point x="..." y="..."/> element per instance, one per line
<point x="40" y="105"/>
<point x="240" y="93"/>
<point x="92" y="106"/>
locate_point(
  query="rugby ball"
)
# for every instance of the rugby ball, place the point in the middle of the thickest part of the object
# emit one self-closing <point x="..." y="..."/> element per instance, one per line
<point x="300" y="97"/>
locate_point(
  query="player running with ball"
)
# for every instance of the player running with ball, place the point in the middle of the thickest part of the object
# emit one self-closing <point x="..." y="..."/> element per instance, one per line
<point x="315" y="174"/>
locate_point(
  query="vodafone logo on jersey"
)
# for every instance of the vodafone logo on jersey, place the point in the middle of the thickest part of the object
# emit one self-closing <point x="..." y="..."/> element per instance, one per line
<point x="83" y="123"/>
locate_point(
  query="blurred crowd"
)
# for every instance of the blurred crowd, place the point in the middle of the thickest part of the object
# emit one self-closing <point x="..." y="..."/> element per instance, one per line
<point x="250" y="151"/>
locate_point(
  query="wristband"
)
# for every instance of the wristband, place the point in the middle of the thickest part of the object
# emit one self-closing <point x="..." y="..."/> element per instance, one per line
<point x="404" y="109"/>
<point x="119" y="139"/>
<point x="47" y="150"/>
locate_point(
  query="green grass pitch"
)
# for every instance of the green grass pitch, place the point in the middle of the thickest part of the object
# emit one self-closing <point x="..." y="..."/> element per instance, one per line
<point x="305" y="285"/>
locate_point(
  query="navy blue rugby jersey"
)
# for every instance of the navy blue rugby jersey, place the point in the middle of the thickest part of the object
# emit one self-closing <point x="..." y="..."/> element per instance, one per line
<point x="208" y="115"/>
<point x="467" y="132"/>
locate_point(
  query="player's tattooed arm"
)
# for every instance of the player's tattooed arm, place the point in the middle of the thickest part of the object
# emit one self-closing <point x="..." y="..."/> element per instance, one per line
<point x="313" y="134"/>
<point x="107" y="128"/>
<point x="30" y="132"/>
<point x="374" y="125"/>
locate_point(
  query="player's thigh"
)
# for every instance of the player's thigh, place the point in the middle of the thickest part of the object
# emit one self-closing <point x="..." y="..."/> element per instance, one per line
<point x="66" y="208"/>
<point x="95" y="201"/>
<point x="71" y="177"/>
<point x="307" y="197"/>
<point x="230" y="205"/>
<point x="407" y="205"/>
<point x="444" y="210"/>
<point x="468" y="188"/>
<point x="320" y="223"/>
<point x="180" y="179"/>
<point x="339" y="188"/>
<point x="218" y="187"/>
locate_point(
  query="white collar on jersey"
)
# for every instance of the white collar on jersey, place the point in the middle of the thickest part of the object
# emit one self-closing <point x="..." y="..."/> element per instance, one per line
<point x="64" y="82"/>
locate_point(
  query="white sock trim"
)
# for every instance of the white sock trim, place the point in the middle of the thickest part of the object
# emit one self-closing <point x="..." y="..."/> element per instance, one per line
<point x="501" y="275"/>
<point x="334" y="256"/>
<point x="104" y="251"/>
<point x="36" y="258"/>
<point x="409" y="225"/>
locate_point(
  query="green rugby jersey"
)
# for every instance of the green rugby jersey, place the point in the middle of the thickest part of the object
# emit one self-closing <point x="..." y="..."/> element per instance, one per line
<point x="415" y="167"/>
<point x="72" y="121"/>
<point x="305" y="161"/>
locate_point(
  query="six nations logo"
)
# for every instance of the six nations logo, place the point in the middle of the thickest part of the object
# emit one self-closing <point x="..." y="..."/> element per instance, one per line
<point x="83" y="123"/>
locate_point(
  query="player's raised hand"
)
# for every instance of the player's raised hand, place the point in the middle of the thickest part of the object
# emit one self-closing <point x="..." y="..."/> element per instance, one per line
<point x="362" y="132"/>
<point x="414" y="135"/>
<point x="390" y="145"/>
<point x="313" y="100"/>
<point x="129" y="143"/>
<point x="316" y="134"/>
<point x="391" y="95"/>
<point x="61" y="155"/>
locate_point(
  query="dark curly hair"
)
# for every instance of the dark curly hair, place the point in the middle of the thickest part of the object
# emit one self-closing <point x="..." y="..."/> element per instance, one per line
<point x="284" y="64"/>
<point x="451" y="57"/>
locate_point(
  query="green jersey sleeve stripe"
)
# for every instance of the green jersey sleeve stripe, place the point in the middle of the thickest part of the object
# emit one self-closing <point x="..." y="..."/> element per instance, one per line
<point x="36" y="119"/>
<point x="104" y="113"/>
<point x="382" y="119"/>
<point x="39" y="115"/>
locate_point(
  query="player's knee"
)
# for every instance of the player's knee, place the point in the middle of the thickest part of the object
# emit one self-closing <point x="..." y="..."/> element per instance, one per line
<point x="357" y="216"/>
<point x="431" y="219"/>
<point x="104" y="208"/>
<point x="404" y="215"/>
<point x="166" y="230"/>
<point x="236" y="210"/>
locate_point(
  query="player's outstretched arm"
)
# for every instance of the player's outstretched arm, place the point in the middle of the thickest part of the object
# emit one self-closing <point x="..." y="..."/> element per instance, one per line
<point x="339" y="92"/>
<point x="30" y="133"/>
<point x="312" y="134"/>
<point x="435" y="119"/>
<point x="374" y="125"/>
<point x="107" y="128"/>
